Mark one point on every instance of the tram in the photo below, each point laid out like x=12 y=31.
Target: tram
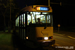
x=34 y=26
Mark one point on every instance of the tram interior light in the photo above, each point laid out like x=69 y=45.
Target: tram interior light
x=45 y=13
x=38 y=12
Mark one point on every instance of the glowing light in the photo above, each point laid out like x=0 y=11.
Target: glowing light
x=26 y=37
x=38 y=8
x=42 y=8
x=45 y=38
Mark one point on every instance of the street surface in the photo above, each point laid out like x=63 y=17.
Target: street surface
x=61 y=41
x=64 y=41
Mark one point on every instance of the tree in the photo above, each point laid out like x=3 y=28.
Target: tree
x=7 y=8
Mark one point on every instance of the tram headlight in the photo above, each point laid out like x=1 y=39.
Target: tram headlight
x=45 y=38
x=26 y=37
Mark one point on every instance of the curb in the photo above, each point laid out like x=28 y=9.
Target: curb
x=71 y=37
x=64 y=35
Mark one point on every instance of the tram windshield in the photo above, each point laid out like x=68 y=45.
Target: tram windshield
x=35 y=18
x=38 y=18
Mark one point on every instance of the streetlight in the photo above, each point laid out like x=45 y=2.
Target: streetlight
x=10 y=10
x=58 y=27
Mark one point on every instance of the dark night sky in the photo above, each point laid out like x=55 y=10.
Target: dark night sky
x=63 y=15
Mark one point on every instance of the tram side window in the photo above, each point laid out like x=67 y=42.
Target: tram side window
x=17 y=22
x=20 y=21
x=48 y=18
x=28 y=19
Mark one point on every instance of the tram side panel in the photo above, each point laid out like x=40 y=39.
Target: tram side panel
x=31 y=33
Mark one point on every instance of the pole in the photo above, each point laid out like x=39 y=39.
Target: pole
x=4 y=24
x=10 y=18
x=58 y=29
x=10 y=10
x=49 y=3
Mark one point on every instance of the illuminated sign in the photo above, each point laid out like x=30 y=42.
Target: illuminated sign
x=42 y=8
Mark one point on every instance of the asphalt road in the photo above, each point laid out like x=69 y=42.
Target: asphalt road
x=64 y=41
x=61 y=41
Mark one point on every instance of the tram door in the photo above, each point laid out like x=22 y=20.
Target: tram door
x=22 y=26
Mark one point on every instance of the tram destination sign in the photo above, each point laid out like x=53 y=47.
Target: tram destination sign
x=42 y=8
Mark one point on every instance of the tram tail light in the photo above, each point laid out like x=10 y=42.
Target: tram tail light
x=51 y=37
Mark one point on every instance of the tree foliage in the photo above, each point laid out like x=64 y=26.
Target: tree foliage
x=7 y=9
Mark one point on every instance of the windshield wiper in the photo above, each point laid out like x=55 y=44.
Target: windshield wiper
x=45 y=26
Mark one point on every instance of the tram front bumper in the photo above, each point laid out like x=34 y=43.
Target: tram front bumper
x=47 y=43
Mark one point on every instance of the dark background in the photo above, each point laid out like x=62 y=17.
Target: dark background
x=62 y=14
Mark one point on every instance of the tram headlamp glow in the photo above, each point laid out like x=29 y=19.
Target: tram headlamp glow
x=26 y=37
x=45 y=38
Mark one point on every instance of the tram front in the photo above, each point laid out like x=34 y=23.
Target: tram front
x=40 y=28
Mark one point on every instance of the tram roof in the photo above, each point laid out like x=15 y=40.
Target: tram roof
x=33 y=8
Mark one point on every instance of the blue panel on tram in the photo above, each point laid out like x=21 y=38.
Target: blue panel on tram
x=42 y=8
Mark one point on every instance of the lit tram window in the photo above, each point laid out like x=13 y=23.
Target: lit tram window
x=38 y=12
x=45 y=13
